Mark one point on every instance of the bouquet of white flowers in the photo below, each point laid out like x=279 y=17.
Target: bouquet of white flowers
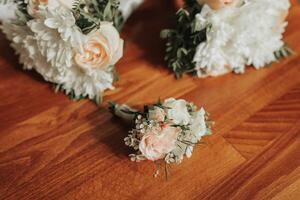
x=71 y=43
x=165 y=131
x=214 y=37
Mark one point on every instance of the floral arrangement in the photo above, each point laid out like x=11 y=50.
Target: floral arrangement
x=165 y=131
x=214 y=37
x=73 y=44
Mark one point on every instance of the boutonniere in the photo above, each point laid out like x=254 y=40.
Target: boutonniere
x=164 y=132
x=214 y=37
x=73 y=44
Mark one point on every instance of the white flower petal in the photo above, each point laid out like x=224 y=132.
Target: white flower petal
x=177 y=111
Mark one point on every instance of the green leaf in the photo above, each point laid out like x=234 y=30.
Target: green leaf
x=164 y=33
x=90 y=13
x=283 y=52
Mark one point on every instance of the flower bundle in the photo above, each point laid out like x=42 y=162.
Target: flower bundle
x=165 y=131
x=71 y=43
x=214 y=37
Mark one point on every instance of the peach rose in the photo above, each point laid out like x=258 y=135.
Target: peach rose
x=157 y=114
x=217 y=4
x=33 y=5
x=156 y=144
x=102 y=49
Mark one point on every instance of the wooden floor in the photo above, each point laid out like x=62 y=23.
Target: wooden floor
x=53 y=148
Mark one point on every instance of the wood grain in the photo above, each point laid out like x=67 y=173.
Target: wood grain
x=53 y=148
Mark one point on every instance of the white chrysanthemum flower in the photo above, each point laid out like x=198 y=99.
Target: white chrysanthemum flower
x=23 y=42
x=33 y=6
x=198 y=124
x=240 y=36
x=8 y=11
x=176 y=111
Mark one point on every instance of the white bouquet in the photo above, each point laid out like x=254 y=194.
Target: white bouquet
x=71 y=43
x=214 y=37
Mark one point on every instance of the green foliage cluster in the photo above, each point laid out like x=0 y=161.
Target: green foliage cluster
x=283 y=52
x=89 y=13
x=183 y=39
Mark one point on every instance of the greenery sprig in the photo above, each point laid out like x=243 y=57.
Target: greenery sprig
x=89 y=13
x=183 y=39
x=283 y=52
